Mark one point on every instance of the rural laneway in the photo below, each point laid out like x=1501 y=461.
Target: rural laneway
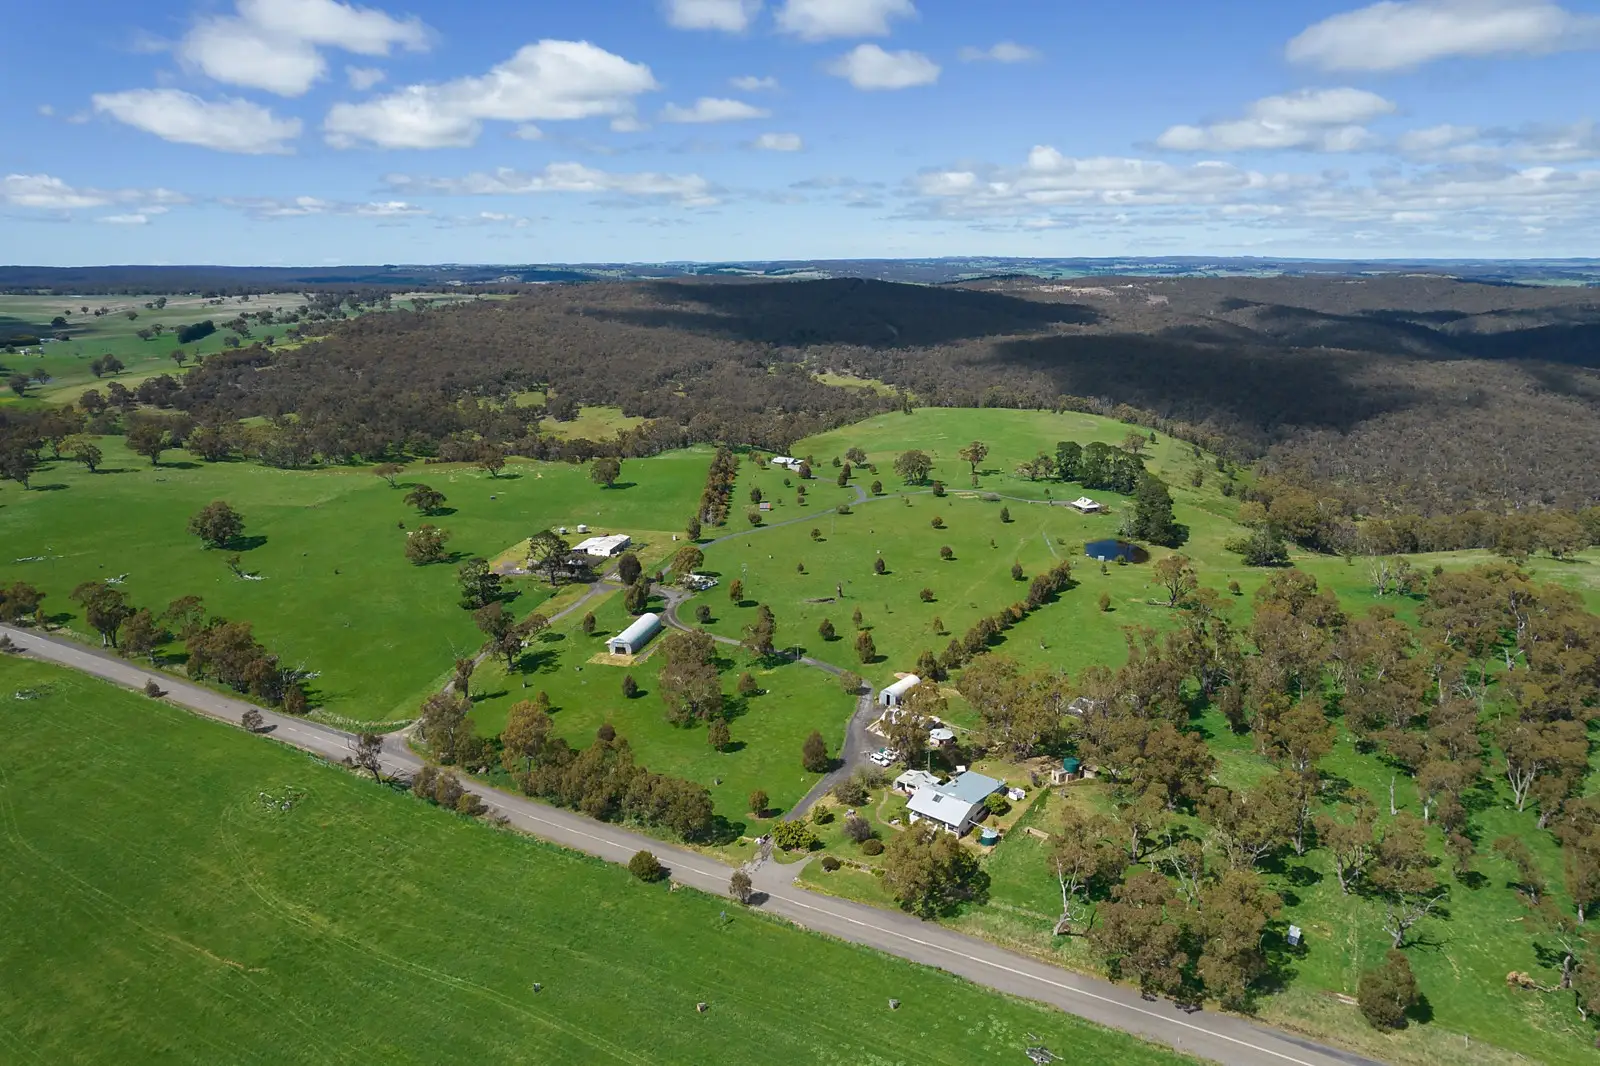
x=857 y=742
x=1222 y=1038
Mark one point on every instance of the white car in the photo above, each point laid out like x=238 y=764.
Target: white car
x=879 y=758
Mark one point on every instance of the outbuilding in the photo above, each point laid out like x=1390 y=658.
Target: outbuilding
x=636 y=636
x=913 y=780
x=604 y=547
x=891 y=696
x=1086 y=506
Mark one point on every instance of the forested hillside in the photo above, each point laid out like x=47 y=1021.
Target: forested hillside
x=1420 y=394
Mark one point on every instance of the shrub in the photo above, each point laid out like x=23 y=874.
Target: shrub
x=1005 y=514
x=605 y=734
x=879 y=566
x=153 y=690
x=822 y=816
x=877 y=488
x=843 y=508
x=758 y=803
x=830 y=864
x=646 y=867
x=872 y=846
x=739 y=886
x=422 y=782
x=850 y=683
x=794 y=836
x=630 y=687
x=1387 y=991
x=718 y=735
x=937 y=523
x=856 y=827
x=825 y=630
x=927 y=595
x=996 y=803
x=1234 y=589
x=938 y=488
x=470 y=805
x=588 y=624
x=947 y=553
x=1105 y=601
x=1016 y=572
x=702 y=614
x=747 y=685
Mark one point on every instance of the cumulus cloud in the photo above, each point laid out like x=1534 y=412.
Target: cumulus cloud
x=778 y=142
x=226 y=125
x=712 y=109
x=45 y=192
x=690 y=190
x=140 y=218
x=276 y=45
x=730 y=16
x=550 y=80
x=867 y=66
x=1528 y=144
x=1401 y=34
x=821 y=20
x=1324 y=120
x=363 y=78
x=749 y=83
x=271 y=208
x=1399 y=207
x=1003 y=52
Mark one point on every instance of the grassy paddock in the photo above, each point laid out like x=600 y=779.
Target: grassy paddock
x=337 y=593
x=157 y=910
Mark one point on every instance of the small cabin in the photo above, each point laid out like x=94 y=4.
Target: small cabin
x=1084 y=505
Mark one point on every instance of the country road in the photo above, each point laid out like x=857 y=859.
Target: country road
x=1219 y=1037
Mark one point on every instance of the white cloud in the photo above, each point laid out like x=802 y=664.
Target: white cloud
x=867 y=66
x=627 y=124
x=47 y=111
x=226 y=125
x=1528 y=144
x=528 y=132
x=270 y=208
x=550 y=80
x=44 y=192
x=1325 y=120
x=690 y=190
x=749 y=83
x=1400 y=34
x=1003 y=52
x=730 y=16
x=274 y=44
x=820 y=20
x=1400 y=208
x=48 y=193
x=779 y=142
x=363 y=78
x=712 y=109
x=138 y=219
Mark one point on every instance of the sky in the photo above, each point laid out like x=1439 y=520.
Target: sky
x=309 y=132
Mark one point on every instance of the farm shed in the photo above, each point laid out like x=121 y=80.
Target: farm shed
x=636 y=636
x=891 y=696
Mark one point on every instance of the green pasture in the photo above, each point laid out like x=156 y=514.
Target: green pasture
x=768 y=729
x=336 y=594
x=113 y=333
x=159 y=908
x=592 y=423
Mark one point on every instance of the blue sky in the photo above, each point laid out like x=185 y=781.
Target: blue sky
x=314 y=131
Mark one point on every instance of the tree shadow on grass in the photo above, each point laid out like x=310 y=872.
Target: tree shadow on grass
x=245 y=544
x=52 y=487
x=178 y=464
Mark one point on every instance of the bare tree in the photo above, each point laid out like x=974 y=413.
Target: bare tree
x=366 y=754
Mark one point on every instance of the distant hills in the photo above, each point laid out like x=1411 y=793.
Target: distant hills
x=938 y=271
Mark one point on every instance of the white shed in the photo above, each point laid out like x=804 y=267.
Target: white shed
x=891 y=696
x=604 y=547
x=1086 y=505
x=636 y=636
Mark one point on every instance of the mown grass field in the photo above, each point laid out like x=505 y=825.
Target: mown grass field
x=768 y=729
x=336 y=594
x=156 y=910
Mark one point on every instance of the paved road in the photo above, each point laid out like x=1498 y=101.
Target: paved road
x=1222 y=1038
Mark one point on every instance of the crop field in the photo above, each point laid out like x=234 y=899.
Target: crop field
x=767 y=728
x=334 y=591
x=159 y=907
